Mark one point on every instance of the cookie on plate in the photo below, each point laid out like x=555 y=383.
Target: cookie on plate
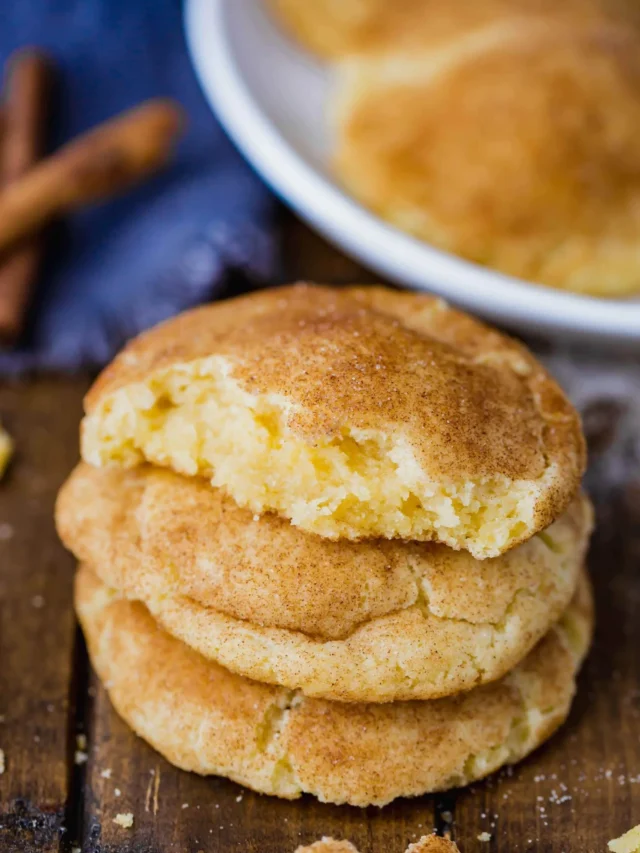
x=514 y=147
x=334 y=29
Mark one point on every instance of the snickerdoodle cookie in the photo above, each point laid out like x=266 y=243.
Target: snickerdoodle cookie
x=203 y=718
x=355 y=413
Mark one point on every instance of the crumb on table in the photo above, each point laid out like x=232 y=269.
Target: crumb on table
x=627 y=843
x=426 y=844
x=125 y=820
x=6 y=449
x=328 y=845
x=433 y=844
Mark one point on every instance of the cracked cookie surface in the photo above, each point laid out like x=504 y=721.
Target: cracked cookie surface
x=369 y=621
x=204 y=718
x=355 y=413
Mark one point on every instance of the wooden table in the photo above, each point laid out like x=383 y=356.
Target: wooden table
x=573 y=795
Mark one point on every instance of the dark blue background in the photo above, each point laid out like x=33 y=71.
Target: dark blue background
x=120 y=267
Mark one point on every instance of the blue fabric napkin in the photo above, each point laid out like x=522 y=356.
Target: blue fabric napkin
x=171 y=243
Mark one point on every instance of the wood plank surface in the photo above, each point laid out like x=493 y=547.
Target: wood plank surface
x=37 y=628
x=573 y=795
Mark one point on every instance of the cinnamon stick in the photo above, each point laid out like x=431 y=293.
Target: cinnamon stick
x=26 y=90
x=100 y=163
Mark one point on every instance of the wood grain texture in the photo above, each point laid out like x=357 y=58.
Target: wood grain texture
x=37 y=628
x=573 y=795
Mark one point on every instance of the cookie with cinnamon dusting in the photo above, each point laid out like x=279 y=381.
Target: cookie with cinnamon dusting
x=354 y=413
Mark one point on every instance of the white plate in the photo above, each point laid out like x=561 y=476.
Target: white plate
x=270 y=97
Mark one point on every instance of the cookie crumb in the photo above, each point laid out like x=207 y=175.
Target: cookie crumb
x=328 y=845
x=433 y=844
x=484 y=836
x=81 y=757
x=106 y=773
x=81 y=741
x=426 y=844
x=125 y=820
x=627 y=843
x=6 y=449
x=117 y=792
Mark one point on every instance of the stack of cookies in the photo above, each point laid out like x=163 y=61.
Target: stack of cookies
x=332 y=541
